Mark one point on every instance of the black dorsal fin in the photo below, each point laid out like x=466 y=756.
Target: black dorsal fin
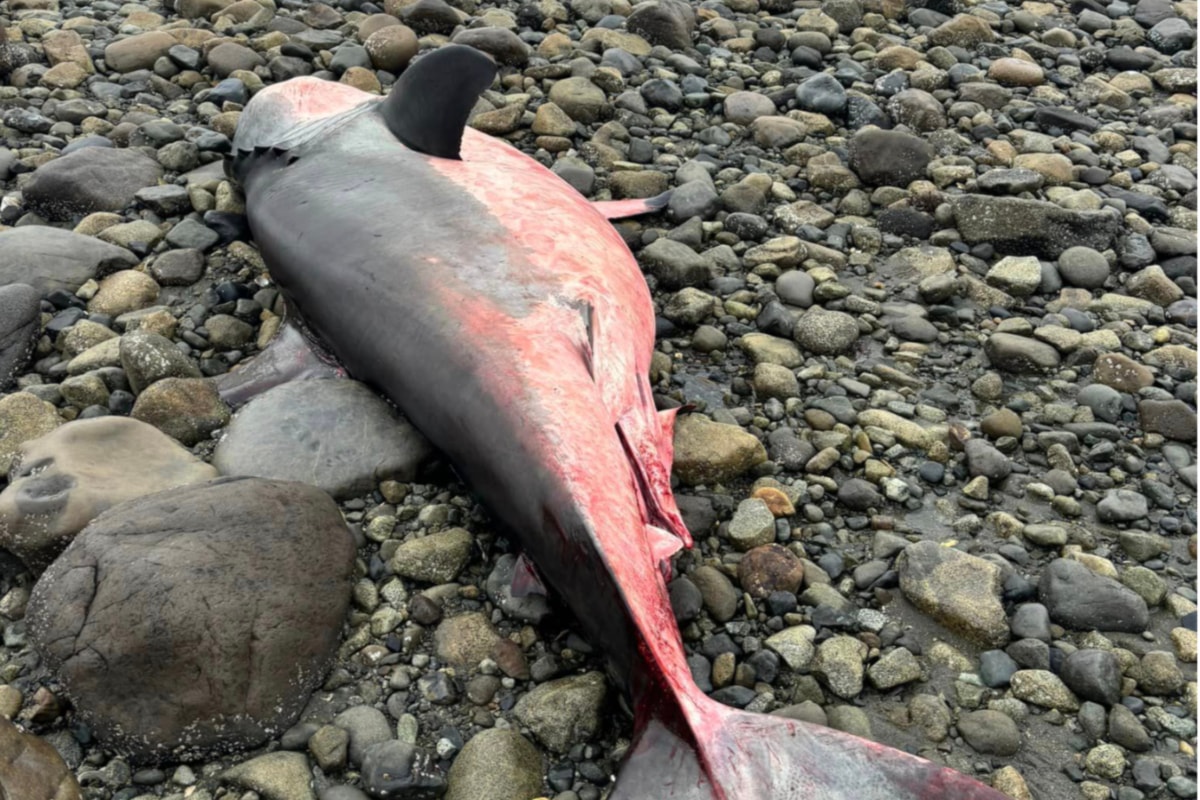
x=428 y=107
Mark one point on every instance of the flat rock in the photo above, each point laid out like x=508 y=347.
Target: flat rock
x=239 y=588
x=139 y=51
x=50 y=258
x=1079 y=599
x=958 y=590
x=334 y=434
x=31 y=769
x=20 y=317
x=1020 y=354
x=69 y=476
x=93 y=179
x=1031 y=227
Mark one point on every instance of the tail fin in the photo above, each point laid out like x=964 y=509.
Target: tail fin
x=743 y=756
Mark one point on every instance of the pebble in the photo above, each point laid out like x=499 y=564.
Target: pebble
x=961 y=178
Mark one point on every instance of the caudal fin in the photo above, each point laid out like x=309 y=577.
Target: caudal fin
x=743 y=756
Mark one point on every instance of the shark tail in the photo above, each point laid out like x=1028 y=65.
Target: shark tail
x=721 y=753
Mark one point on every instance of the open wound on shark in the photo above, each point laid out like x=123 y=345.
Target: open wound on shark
x=504 y=315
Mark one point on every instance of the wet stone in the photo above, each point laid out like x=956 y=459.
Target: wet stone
x=334 y=434
x=130 y=571
x=1079 y=599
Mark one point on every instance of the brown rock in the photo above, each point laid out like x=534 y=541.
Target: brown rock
x=1122 y=373
x=1174 y=419
x=138 y=52
x=391 y=47
x=770 y=568
x=776 y=500
x=30 y=769
x=67 y=47
x=1016 y=72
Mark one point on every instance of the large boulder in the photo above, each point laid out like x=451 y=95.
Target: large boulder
x=92 y=179
x=65 y=479
x=50 y=258
x=334 y=434
x=197 y=620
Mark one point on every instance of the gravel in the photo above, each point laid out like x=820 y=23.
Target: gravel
x=927 y=286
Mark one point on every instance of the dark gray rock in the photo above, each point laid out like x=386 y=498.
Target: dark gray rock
x=996 y=667
x=20 y=318
x=500 y=43
x=1031 y=227
x=1172 y=35
x=1020 y=354
x=666 y=22
x=822 y=93
x=530 y=607
x=1031 y=621
x=889 y=158
x=675 y=264
x=1093 y=675
x=1104 y=401
x=50 y=258
x=1079 y=599
x=984 y=459
x=399 y=769
x=334 y=434
x=95 y=179
x=238 y=588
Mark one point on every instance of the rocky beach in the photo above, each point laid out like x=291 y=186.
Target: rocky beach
x=926 y=295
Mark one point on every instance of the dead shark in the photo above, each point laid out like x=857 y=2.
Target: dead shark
x=506 y=317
